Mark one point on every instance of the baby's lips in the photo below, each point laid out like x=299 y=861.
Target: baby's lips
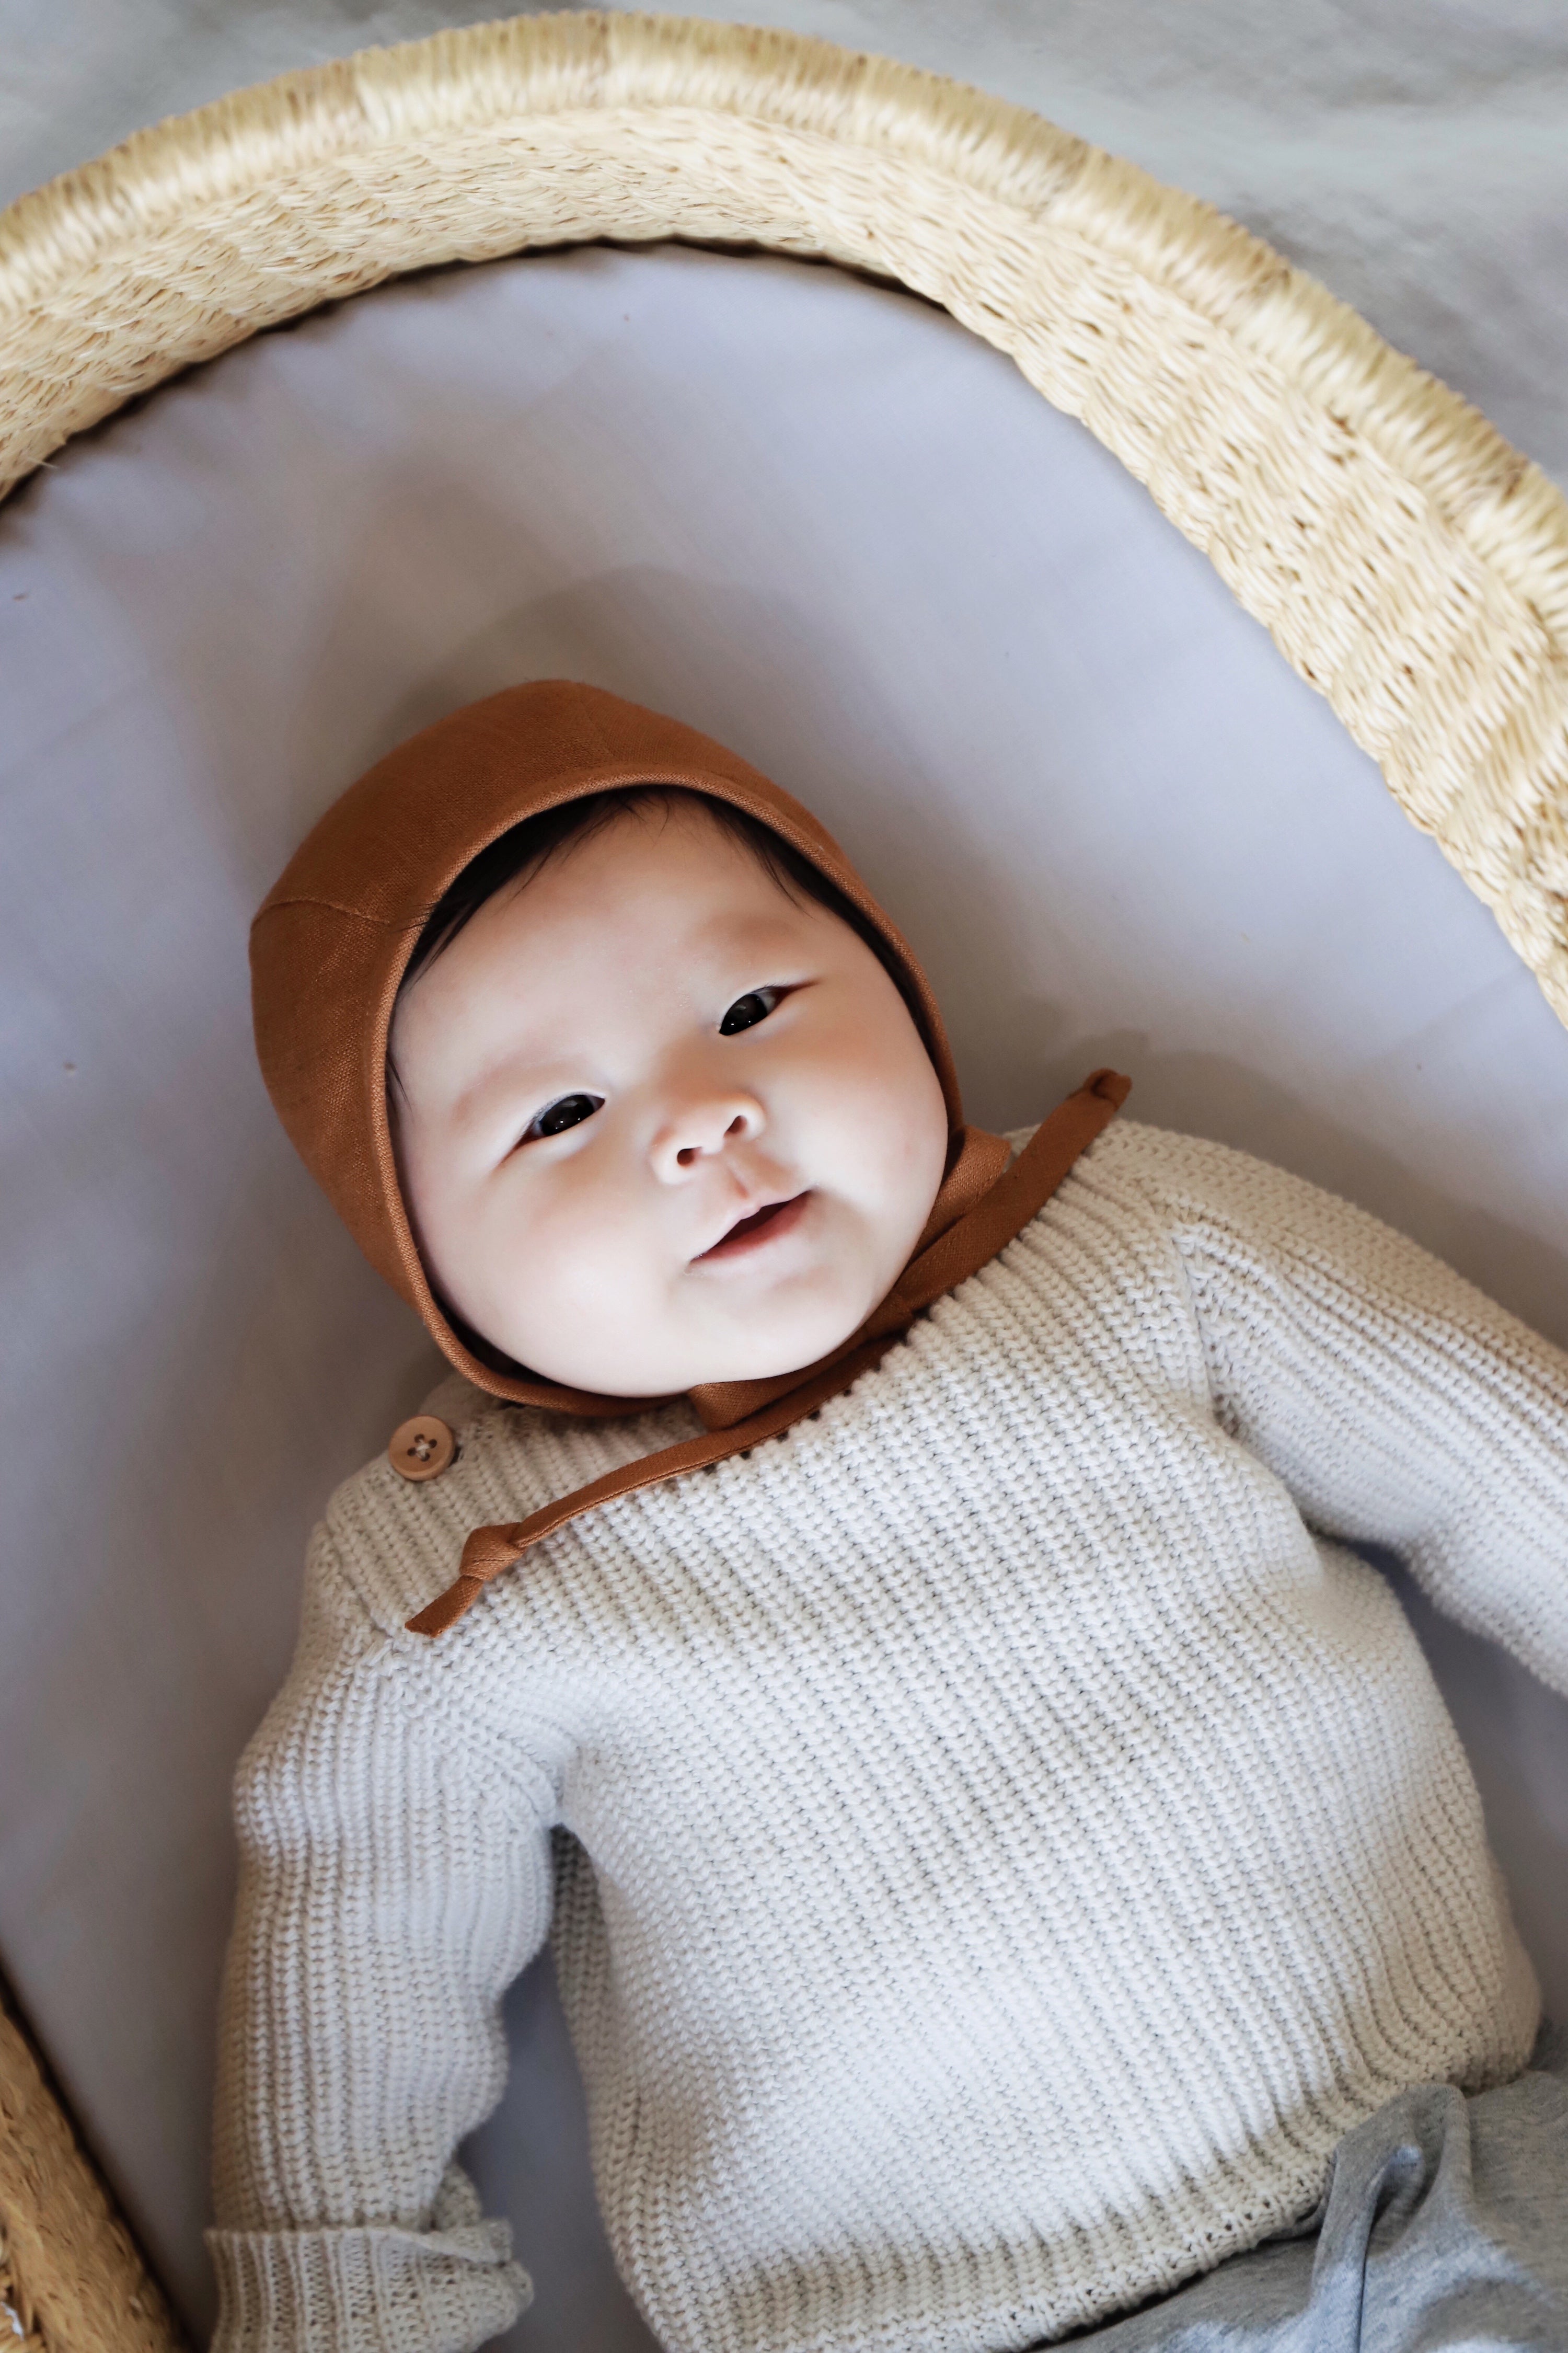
x=757 y=1222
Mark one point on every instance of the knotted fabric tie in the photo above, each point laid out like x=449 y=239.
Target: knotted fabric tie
x=984 y=1202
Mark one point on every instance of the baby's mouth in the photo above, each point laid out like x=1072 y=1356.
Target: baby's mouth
x=764 y=1225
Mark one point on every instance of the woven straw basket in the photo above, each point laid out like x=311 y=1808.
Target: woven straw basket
x=1407 y=561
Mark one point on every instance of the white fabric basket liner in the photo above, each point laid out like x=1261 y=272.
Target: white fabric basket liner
x=818 y=519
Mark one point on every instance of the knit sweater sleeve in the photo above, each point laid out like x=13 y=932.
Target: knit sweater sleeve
x=1397 y=1403
x=392 y=1881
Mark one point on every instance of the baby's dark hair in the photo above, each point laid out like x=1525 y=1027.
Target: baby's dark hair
x=520 y=852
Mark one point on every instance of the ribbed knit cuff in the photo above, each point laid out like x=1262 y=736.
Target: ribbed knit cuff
x=366 y=2291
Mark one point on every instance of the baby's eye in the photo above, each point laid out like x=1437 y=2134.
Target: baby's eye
x=566 y=1111
x=747 y=1010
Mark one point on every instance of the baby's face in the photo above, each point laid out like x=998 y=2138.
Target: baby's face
x=657 y=1124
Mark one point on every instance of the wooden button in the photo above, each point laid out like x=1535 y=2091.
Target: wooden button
x=421 y=1449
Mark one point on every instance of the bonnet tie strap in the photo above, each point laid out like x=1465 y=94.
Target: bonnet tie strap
x=742 y=1414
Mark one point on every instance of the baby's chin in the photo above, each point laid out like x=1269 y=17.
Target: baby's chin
x=781 y=1297
x=740 y=1345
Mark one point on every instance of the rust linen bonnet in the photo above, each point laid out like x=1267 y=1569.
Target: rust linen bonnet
x=329 y=948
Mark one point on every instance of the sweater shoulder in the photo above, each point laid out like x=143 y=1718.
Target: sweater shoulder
x=1181 y=1182
x=1223 y=1212
x=1170 y=1166
x=384 y=1547
x=387 y=1545
x=390 y=1545
x=1258 y=1230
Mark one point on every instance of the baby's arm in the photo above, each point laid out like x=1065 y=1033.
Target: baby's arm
x=1397 y=1403
x=393 y=1880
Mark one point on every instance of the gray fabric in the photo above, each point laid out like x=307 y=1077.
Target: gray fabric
x=1443 y=2225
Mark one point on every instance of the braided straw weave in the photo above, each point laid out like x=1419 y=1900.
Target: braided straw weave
x=71 y=2278
x=1408 y=562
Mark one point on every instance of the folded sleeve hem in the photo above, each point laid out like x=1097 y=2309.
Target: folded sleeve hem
x=368 y=2290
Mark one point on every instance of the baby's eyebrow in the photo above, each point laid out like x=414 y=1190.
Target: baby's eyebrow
x=739 y=949
x=505 y=1088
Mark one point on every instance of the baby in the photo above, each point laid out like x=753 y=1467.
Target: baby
x=878 y=1598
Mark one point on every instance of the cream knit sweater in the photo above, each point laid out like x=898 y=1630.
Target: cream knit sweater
x=1006 y=1848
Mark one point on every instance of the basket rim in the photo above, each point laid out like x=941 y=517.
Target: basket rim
x=200 y=230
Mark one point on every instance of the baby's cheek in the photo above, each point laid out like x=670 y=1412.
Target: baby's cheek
x=882 y=1126
x=592 y=1250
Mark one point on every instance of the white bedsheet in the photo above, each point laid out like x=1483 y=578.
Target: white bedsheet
x=822 y=522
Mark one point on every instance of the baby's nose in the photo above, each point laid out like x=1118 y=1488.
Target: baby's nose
x=702 y=1129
